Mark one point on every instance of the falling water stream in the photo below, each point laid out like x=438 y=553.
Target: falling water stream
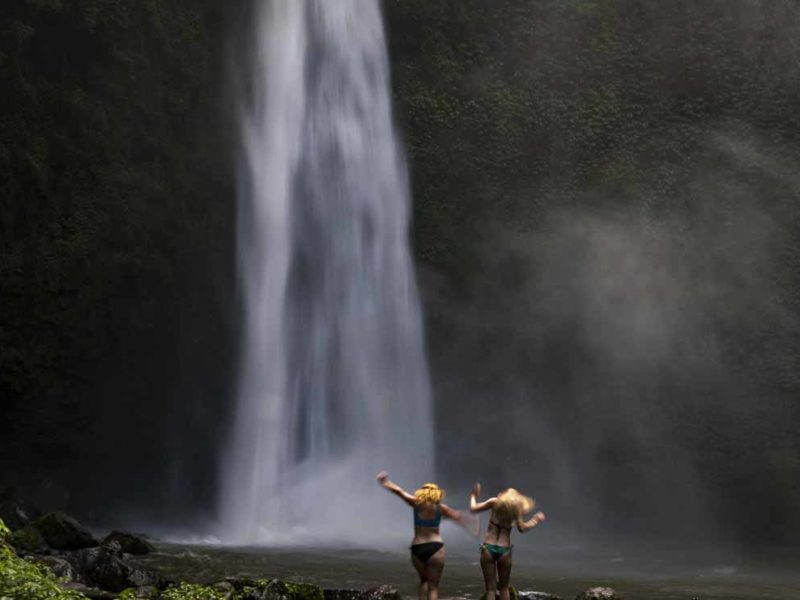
x=333 y=383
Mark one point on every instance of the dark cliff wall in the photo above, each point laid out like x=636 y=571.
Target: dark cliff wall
x=116 y=235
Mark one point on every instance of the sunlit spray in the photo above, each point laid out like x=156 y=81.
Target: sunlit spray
x=334 y=384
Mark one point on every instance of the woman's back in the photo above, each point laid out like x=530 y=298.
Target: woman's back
x=498 y=530
x=427 y=517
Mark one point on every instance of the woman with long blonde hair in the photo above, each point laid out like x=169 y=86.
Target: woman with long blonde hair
x=427 y=547
x=508 y=508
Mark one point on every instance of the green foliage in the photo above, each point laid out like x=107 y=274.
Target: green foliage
x=24 y=580
x=302 y=591
x=187 y=591
x=28 y=538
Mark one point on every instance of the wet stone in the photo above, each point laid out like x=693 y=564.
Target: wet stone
x=532 y=595
x=131 y=544
x=599 y=593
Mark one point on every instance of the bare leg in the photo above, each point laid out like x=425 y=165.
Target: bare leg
x=489 y=574
x=423 y=578
x=433 y=573
x=504 y=575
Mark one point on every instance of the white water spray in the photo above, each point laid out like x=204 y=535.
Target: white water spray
x=334 y=383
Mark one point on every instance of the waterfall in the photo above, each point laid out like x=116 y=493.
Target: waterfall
x=333 y=382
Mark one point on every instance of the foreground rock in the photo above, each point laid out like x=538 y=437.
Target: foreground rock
x=131 y=544
x=103 y=567
x=599 y=593
x=61 y=567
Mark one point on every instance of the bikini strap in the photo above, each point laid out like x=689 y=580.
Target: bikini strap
x=434 y=522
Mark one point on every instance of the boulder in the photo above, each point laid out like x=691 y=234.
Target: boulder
x=62 y=568
x=599 y=593
x=104 y=567
x=62 y=532
x=131 y=544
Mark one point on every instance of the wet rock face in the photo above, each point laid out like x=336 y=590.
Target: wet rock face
x=131 y=544
x=599 y=593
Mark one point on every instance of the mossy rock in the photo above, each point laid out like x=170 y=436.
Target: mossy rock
x=62 y=532
x=28 y=539
x=512 y=592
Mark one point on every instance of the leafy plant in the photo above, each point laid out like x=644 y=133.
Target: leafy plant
x=25 y=580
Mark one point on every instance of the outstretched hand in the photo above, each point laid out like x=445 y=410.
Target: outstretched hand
x=382 y=477
x=539 y=516
x=476 y=490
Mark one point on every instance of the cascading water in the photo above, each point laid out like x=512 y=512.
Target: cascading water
x=334 y=384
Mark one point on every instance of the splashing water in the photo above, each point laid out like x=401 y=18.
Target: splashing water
x=334 y=384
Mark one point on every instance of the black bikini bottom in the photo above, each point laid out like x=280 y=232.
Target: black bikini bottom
x=424 y=551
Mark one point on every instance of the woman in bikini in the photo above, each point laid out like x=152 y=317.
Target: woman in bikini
x=508 y=509
x=427 y=547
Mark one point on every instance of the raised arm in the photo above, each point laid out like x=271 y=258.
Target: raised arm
x=474 y=505
x=383 y=480
x=523 y=525
x=451 y=513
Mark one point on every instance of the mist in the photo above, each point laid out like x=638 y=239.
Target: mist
x=631 y=369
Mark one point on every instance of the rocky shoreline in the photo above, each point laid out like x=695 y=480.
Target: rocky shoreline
x=69 y=556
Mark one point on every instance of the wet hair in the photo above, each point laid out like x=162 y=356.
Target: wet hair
x=511 y=505
x=429 y=493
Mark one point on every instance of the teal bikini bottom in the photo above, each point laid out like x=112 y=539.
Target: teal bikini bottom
x=496 y=551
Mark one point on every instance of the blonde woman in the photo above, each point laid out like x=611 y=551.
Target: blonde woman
x=427 y=547
x=508 y=508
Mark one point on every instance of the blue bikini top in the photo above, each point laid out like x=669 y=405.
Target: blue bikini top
x=434 y=522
